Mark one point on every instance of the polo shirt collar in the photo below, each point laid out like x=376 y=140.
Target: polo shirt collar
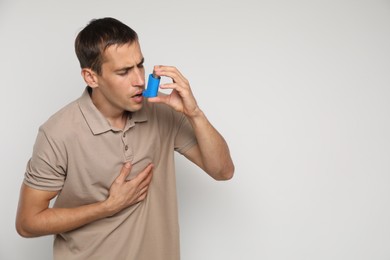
x=97 y=122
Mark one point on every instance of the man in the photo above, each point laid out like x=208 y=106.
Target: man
x=108 y=157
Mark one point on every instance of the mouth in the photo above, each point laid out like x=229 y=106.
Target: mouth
x=138 y=94
x=138 y=97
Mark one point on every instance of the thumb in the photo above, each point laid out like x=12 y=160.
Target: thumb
x=125 y=171
x=155 y=99
x=161 y=98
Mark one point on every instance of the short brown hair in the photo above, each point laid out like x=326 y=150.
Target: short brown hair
x=97 y=36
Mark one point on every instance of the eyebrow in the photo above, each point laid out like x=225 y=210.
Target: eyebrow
x=129 y=68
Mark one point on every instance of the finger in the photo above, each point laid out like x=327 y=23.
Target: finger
x=159 y=99
x=142 y=194
x=142 y=197
x=125 y=171
x=143 y=191
x=142 y=175
x=145 y=182
x=171 y=72
x=180 y=88
x=169 y=86
x=167 y=69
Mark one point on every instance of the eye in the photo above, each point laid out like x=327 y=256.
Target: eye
x=123 y=73
x=140 y=66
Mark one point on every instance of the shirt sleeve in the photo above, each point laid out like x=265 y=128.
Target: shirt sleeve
x=185 y=136
x=47 y=167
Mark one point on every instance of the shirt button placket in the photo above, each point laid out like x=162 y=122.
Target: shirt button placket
x=127 y=149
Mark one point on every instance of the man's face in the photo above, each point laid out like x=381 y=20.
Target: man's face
x=122 y=80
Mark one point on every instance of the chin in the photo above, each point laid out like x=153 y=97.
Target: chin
x=134 y=108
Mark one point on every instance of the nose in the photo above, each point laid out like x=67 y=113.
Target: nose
x=139 y=78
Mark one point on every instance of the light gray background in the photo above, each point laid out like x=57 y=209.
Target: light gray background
x=299 y=89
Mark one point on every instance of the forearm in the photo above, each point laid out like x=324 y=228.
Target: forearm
x=35 y=218
x=59 y=220
x=214 y=151
x=211 y=153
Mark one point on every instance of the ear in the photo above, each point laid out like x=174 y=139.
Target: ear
x=90 y=77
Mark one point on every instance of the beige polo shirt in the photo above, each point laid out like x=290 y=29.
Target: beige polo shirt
x=79 y=154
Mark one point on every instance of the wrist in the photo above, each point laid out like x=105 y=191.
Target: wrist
x=198 y=119
x=195 y=113
x=107 y=208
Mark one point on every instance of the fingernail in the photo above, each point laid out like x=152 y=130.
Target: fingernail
x=127 y=165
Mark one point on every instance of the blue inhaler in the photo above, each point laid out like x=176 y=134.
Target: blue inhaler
x=152 y=89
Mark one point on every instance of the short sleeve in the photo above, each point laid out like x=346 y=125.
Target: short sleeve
x=185 y=136
x=47 y=167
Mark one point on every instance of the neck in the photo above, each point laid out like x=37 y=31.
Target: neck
x=117 y=118
x=118 y=122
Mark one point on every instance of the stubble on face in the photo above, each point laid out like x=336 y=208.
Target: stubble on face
x=122 y=80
